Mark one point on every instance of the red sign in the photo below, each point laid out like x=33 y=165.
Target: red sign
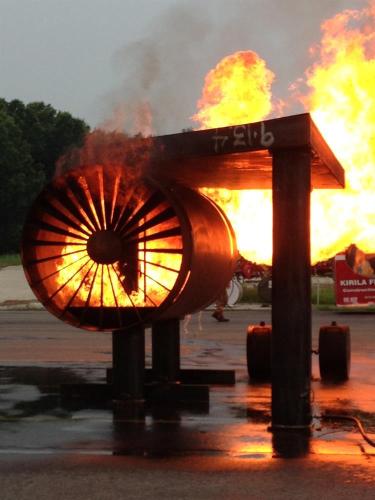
x=352 y=288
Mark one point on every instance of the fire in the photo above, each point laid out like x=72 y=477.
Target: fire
x=238 y=91
x=100 y=247
x=342 y=104
x=341 y=99
x=92 y=284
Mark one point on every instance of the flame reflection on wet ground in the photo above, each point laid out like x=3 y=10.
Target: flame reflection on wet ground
x=234 y=424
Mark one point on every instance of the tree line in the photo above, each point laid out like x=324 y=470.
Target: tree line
x=32 y=138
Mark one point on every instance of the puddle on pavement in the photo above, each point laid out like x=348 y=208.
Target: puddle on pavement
x=34 y=417
x=30 y=391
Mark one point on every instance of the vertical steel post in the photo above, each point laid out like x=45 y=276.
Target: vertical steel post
x=128 y=355
x=291 y=289
x=166 y=350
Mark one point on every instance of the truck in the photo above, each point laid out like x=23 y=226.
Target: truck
x=354 y=277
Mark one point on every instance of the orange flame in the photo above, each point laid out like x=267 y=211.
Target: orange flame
x=342 y=103
x=103 y=186
x=238 y=91
x=95 y=285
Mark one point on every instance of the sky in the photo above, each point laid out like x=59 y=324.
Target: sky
x=101 y=60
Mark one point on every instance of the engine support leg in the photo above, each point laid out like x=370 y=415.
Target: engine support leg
x=128 y=356
x=166 y=350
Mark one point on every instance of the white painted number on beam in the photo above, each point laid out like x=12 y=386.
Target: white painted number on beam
x=244 y=136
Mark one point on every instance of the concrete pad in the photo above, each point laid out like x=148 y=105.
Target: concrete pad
x=222 y=451
x=15 y=291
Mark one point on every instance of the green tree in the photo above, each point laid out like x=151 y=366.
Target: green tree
x=32 y=138
x=20 y=180
x=49 y=133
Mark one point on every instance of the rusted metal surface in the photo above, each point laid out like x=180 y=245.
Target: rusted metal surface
x=240 y=156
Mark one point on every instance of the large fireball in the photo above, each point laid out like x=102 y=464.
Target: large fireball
x=238 y=90
x=342 y=104
x=341 y=100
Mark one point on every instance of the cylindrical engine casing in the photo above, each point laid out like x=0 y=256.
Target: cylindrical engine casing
x=208 y=253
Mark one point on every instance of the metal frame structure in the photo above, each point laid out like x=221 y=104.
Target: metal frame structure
x=289 y=156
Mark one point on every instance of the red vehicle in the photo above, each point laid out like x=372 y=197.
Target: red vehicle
x=247 y=269
x=354 y=273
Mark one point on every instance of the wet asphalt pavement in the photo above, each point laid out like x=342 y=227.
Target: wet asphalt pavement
x=53 y=448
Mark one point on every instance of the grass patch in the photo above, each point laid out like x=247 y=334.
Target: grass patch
x=13 y=259
x=324 y=295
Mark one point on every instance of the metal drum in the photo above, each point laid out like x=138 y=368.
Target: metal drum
x=258 y=352
x=334 y=352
